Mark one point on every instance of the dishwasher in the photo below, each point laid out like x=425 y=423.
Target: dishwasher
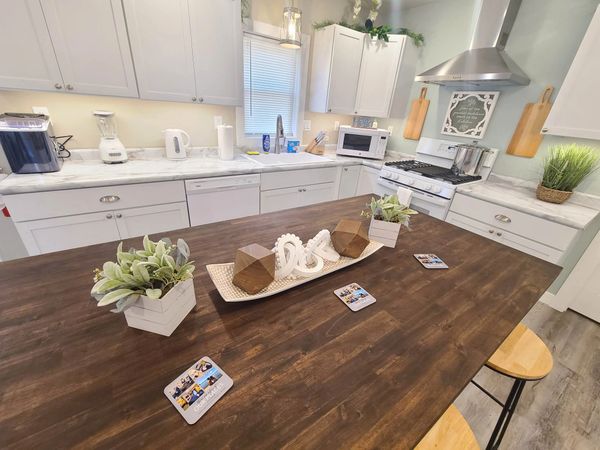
x=222 y=198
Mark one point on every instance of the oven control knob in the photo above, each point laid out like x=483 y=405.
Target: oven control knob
x=436 y=189
x=395 y=176
x=409 y=181
x=428 y=187
x=386 y=174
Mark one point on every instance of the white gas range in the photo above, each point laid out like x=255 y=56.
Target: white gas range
x=430 y=177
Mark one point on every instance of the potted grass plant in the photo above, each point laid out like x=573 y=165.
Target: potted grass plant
x=153 y=287
x=387 y=216
x=564 y=168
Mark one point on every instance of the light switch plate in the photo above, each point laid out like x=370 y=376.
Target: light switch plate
x=218 y=121
x=307 y=125
x=391 y=129
x=336 y=125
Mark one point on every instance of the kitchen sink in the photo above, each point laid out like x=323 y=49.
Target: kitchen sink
x=276 y=159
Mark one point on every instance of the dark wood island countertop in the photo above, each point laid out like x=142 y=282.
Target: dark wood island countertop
x=308 y=372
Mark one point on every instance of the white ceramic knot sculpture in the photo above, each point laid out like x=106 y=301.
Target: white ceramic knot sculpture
x=295 y=260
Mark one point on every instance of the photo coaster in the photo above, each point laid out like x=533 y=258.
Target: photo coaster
x=430 y=261
x=354 y=296
x=197 y=389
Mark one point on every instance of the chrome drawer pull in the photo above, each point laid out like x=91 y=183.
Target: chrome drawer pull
x=110 y=199
x=503 y=218
x=109 y=216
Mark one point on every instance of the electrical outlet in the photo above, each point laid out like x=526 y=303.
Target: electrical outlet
x=218 y=120
x=336 y=125
x=391 y=129
x=40 y=110
x=307 y=125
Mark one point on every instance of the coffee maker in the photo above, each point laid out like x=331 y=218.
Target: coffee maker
x=28 y=143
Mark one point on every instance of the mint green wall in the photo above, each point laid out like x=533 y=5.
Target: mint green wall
x=544 y=40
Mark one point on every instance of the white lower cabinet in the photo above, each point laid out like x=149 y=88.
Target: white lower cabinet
x=530 y=234
x=151 y=219
x=367 y=181
x=349 y=181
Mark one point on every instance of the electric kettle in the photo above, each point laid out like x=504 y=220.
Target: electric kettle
x=175 y=147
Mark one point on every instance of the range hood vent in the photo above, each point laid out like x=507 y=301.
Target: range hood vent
x=485 y=63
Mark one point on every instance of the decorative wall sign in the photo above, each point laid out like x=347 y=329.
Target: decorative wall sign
x=469 y=113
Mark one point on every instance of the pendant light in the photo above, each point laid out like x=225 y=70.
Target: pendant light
x=291 y=29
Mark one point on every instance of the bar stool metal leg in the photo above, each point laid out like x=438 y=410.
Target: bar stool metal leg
x=506 y=415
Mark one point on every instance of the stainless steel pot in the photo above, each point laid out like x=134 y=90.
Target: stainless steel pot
x=469 y=159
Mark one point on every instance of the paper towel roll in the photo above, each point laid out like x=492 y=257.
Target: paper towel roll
x=225 y=137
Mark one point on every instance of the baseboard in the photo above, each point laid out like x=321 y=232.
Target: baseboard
x=551 y=300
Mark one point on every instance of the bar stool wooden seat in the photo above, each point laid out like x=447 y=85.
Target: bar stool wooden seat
x=524 y=357
x=450 y=432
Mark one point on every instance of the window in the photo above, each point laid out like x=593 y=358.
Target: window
x=272 y=80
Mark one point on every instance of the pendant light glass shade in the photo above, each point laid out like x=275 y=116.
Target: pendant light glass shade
x=291 y=30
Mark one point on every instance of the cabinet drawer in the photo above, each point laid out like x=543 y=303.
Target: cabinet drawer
x=291 y=178
x=41 y=205
x=534 y=228
x=504 y=237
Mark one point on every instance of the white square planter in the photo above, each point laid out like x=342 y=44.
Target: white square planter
x=164 y=315
x=384 y=232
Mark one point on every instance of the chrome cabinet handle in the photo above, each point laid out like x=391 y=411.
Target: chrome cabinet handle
x=119 y=215
x=109 y=216
x=502 y=218
x=110 y=199
x=491 y=231
x=498 y=234
x=201 y=99
x=58 y=86
x=194 y=99
x=69 y=87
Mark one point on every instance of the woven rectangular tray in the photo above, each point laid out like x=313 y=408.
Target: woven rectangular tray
x=222 y=277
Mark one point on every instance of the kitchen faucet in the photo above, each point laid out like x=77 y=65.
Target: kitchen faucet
x=279 y=135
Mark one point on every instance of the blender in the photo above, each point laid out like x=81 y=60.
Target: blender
x=111 y=149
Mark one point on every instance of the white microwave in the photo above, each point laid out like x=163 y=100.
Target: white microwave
x=362 y=142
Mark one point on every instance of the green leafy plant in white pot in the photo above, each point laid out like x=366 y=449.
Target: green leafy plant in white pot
x=387 y=216
x=564 y=168
x=153 y=287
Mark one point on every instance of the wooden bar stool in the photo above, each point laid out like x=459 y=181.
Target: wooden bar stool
x=450 y=432
x=524 y=357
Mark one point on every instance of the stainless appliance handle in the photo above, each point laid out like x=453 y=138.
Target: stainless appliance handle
x=502 y=218
x=110 y=199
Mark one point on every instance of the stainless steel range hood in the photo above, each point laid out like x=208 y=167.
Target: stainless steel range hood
x=485 y=63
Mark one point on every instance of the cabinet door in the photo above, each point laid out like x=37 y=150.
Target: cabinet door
x=473 y=226
x=317 y=193
x=91 y=45
x=345 y=69
x=135 y=222
x=349 y=181
x=378 y=73
x=161 y=43
x=27 y=55
x=367 y=181
x=575 y=111
x=217 y=47
x=62 y=233
x=280 y=199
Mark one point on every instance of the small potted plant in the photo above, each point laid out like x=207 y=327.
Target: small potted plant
x=387 y=216
x=153 y=287
x=564 y=168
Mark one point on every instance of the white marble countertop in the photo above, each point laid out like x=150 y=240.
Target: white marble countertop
x=85 y=169
x=517 y=194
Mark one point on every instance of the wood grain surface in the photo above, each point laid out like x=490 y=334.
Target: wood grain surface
x=308 y=372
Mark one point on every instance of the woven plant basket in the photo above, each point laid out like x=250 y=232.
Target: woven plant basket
x=552 y=195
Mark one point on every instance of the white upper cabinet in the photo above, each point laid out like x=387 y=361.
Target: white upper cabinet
x=354 y=74
x=91 y=45
x=379 y=71
x=27 y=56
x=217 y=47
x=337 y=54
x=161 y=43
x=187 y=50
x=575 y=111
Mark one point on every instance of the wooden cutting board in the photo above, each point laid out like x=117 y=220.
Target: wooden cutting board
x=528 y=134
x=416 y=117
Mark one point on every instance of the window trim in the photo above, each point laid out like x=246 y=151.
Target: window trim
x=269 y=31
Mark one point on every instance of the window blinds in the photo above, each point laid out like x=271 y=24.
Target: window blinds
x=271 y=80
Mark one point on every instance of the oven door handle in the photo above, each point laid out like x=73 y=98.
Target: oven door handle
x=430 y=198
